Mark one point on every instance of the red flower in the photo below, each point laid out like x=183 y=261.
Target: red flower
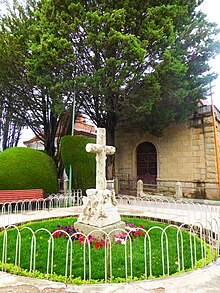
x=81 y=239
x=98 y=245
x=104 y=243
x=137 y=233
x=56 y=234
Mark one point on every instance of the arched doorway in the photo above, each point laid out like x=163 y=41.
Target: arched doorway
x=147 y=163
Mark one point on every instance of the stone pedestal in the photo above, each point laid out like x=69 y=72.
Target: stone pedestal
x=99 y=213
x=99 y=232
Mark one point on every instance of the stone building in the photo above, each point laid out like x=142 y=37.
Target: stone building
x=185 y=153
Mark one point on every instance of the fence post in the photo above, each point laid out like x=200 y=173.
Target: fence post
x=116 y=185
x=110 y=184
x=66 y=186
x=179 y=190
x=140 y=188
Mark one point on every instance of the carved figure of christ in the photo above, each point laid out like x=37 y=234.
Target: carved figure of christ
x=101 y=150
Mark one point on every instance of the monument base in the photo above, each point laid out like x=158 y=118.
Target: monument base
x=99 y=208
x=99 y=213
x=100 y=232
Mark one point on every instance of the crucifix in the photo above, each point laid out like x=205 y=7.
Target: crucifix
x=100 y=205
x=101 y=150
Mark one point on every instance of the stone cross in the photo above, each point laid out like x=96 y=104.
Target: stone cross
x=101 y=150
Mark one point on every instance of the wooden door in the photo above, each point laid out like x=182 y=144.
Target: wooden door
x=147 y=163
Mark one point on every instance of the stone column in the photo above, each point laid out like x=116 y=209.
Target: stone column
x=140 y=188
x=179 y=191
x=66 y=186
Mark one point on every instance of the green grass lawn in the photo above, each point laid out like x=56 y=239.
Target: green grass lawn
x=118 y=251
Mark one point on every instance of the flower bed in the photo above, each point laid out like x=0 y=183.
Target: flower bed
x=52 y=249
x=121 y=237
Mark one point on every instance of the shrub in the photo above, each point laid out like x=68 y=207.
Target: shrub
x=73 y=151
x=24 y=168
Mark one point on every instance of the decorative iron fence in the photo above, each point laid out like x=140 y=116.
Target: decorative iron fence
x=156 y=206
x=147 y=265
x=198 y=219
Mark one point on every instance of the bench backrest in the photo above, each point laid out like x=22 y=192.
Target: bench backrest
x=16 y=195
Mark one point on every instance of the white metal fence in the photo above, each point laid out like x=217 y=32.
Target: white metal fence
x=198 y=219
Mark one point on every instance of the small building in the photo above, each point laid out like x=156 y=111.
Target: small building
x=81 y=127
x=185 y=153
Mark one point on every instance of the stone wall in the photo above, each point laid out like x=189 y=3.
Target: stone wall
x=185 y=153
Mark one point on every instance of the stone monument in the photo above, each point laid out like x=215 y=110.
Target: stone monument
x=100 y=206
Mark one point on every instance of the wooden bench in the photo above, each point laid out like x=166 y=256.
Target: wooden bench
x=9 y=196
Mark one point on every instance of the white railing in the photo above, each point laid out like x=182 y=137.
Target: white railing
x=158 y=207
x=199 y=219
x=183 y=210
x=52 y=201
x=147 y=262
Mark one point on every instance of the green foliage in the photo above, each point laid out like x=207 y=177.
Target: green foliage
x=144 y=61
x=37 y=89
x=73 y=152
x=24 y=168
x=97 y=256
x=180 y=43
x=148 y=61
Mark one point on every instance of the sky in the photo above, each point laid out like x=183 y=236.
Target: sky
x=212 y=9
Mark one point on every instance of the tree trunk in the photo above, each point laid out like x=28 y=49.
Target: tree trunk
x=63 y=128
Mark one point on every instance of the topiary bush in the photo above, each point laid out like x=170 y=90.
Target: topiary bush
x=73 y=151
x=25 y=168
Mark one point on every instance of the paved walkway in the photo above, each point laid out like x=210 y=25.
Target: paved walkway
x=205 y=280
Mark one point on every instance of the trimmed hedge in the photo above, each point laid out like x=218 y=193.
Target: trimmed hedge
x=73 y=151
x=25 y=168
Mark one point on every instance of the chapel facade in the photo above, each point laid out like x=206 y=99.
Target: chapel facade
x=185 y=153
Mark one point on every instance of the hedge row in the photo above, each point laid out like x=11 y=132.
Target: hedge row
x=84 y=167
x=25 y=168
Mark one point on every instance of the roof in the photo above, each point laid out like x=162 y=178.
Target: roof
x=81 y=127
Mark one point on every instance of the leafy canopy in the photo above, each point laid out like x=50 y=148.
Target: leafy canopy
x=144 y=61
